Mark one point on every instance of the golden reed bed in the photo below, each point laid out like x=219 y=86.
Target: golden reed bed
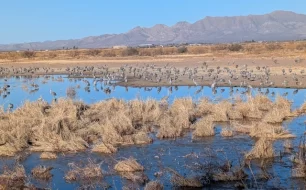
x=68 y=125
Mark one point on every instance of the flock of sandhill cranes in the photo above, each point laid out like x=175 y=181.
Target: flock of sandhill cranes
x=158 y=76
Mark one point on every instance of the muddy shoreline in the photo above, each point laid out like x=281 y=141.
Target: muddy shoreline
x=283 y=72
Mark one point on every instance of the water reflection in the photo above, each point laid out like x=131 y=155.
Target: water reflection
x=16 y=90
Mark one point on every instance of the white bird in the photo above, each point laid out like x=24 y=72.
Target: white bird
x=195 y=82
x=213 y=85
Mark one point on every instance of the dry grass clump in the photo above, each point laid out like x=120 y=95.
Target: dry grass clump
x=128 y=165
x=263 y=148
x=302 y=109
x=42 y=173
x=138 y=177
x=142 y=138
x=231 y=175
x=48 y=155
x=154 y=185
x=220 y=111
x=227 y=132
x=242 y=127
x=280 y=111
x=13 y=178
x=144 y=111
x=104 y=148
x=56 y=131
x=262 y=102
x=283 y=104
x=101 y=111
x=204 y=128
x=109 y=120
x=275 y=116
x=16 y=127
x=168 y=129
x=180 y=181
x=234 y=114
x=88 y=172
x=182 y=111
x=262 y=129
x=204 y=107
x=249 y=109
x=299 y=171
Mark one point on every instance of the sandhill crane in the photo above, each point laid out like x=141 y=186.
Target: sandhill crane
x=10 y=106
x=213 y=85
x=52 y=93
x=193 y=80
x=230 y=82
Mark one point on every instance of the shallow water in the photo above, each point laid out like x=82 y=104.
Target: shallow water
x=185 y=155
x=21 y=90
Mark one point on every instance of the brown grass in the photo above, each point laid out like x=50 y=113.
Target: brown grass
x=48 y=155
x=70 y=126
x=234 y=175
x=88 y=172
x=182 y=110
x=303 y=108
x=13 y=178
x=138 y=177
x=128 y=165
x=227 y=132
x=144 y=111
x=249 y=109
x=244 y=49
x=180 y=181
x=142 y=138
x=263 y=148
x=220 y=111
x=204 y=107
x=266 y=130
x=203 y=128
x=42 y=173
x=154 y=185
x=242 y=127
x=168 y=129
x=280 y=111
x=104 y=148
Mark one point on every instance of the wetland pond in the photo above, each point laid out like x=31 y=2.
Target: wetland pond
x=190 y=157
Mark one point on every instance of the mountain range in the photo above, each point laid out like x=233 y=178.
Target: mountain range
x=277 y=25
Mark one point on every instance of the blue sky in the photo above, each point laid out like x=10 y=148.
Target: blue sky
x=40 y=20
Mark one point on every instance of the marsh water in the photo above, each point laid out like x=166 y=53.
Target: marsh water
x=185 y=155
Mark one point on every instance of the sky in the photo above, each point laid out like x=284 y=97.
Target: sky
x=40 y=20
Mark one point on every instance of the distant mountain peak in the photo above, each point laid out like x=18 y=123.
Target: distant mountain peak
x=277 y=25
